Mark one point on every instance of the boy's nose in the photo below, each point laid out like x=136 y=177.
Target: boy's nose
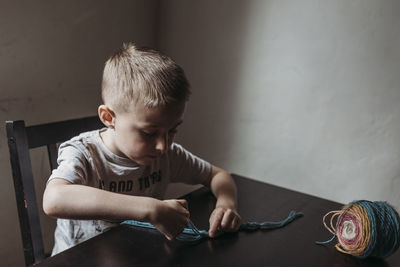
x=161 y=144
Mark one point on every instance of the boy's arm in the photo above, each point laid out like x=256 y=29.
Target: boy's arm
x=225 y=216
x=63 y=199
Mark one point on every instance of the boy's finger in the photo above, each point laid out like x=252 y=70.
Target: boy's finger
x=227 y=219
x=235 y=224
x=165 y=233
x=183 y=202
x=238 y=223
x=215 y=221
x=182 y=207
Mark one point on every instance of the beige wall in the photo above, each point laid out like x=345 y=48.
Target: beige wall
x=51 y=59
x=302 y=94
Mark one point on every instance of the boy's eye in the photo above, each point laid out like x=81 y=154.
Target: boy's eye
x=173 y=131
x=149 y=134
x=154 y=133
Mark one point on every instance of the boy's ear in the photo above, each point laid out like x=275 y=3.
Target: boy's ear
x=107 y=116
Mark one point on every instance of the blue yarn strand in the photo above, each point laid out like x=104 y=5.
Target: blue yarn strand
x=194 y=235
x=327 y=241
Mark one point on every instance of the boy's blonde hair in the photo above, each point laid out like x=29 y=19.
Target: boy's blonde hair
x=137 y=74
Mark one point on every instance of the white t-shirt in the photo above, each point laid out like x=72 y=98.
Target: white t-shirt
x=87 y=161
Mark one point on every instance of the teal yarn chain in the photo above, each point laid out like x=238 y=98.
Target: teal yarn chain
x=365 y=229
x=193 y=235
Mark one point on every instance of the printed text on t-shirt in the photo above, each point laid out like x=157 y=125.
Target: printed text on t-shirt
x=129 y=185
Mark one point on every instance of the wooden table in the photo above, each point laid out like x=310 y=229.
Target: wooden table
x=292 y=245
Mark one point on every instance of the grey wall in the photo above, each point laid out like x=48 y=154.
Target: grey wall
x=51 y=59
x=302 y=94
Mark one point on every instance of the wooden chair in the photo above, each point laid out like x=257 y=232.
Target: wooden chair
x=21 y=138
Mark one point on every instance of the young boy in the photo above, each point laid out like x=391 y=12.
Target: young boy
x=121 y=172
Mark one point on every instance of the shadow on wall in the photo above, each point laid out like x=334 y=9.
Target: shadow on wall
x=52 y=55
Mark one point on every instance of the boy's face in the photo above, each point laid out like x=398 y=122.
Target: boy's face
x=144 y=134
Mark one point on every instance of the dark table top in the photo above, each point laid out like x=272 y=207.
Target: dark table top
x=292 y=245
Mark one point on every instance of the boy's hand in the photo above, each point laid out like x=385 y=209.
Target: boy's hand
x=224 y=219
x=170 y=217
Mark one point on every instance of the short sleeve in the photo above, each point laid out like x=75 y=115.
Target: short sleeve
x=72 y=164
x=186 y=167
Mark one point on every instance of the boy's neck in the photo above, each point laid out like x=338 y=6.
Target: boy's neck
x=107 y=139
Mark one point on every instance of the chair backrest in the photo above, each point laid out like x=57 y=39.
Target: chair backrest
x=21 y=138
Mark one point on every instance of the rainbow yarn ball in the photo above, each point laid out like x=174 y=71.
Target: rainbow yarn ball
x=365 y=229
